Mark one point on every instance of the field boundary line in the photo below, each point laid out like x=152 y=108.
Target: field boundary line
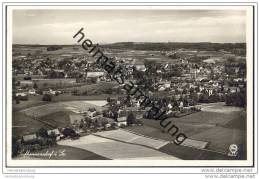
x=208 y=150
x=145 y=135
x=129 y=143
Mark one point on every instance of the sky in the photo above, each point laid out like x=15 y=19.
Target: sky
x=109 y=26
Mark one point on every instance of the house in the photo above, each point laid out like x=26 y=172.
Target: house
x=167 y=84
x=177 y=97
x=234 y=89
x=181 y=104
x=140 y=67
x=56 y=132
x=26 y=83
x=101 y=122
x=209 y=91
x=53 y=92
x=32 y=91
x=122 y=121
x=215 y=84
x=161 y=88
x=238 y=79
x=32 y=138
x=22 y=96
x=96 y=74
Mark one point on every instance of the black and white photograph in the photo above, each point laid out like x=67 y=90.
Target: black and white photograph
x=129 y=86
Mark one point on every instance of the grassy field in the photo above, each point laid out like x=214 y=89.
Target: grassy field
x=220 y=129
x=60 y=119
x=56 y=114
x=37 y=100
x=138 y=55
x=99 y=87
x=24 y=125
x=46 y=109
x=117 y=150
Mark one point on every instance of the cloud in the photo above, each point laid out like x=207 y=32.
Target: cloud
x=58 y=26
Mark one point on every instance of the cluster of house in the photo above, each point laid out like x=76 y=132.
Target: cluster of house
x=95 y=120
x=203 y=76
x=85 y=121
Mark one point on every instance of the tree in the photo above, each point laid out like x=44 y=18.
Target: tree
x=197 y=89
x=15 y=147
x=184 y=91
x=131 y=118
x=35 y=86
x=174 y=101
x=192 y=90
x=177 y=71
x=42 y=132
x=17 y=100
x=45 y=85
x=69 y=132
x=229 y=99
x=194 y=97
x=204 y=98
x=214 y=98
x=47 y=97
x=108 y=91
x=185 y=101
x=151 y=66
x=236 y=99
x=108 y=99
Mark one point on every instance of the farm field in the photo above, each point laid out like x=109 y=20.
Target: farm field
x=217 y=124
x=218 y=128
x=74 y=106
x=138 y=56
x=54 y=113
x=126 y=136
x=24 y=125
x=114 y=149
x=37 y=100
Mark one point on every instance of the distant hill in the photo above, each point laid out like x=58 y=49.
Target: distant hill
x=208 y=46
x=176 y=45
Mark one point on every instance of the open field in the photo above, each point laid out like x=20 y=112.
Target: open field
x=92 y=87
x=138 y=56
x=74 y=106
x=60 y=119
x=114 y=149
x=37 y=100
x=214 y=124
x=53 y=113
x=219 y=107
x=221 y=138
x=66 y=51
x=24 y=125
x=218 y=128
x=129 y=137
x=136 y=52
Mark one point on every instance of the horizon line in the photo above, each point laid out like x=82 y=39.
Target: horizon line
x=107 y=43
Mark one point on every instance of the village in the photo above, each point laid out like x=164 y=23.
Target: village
x=55 y=86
